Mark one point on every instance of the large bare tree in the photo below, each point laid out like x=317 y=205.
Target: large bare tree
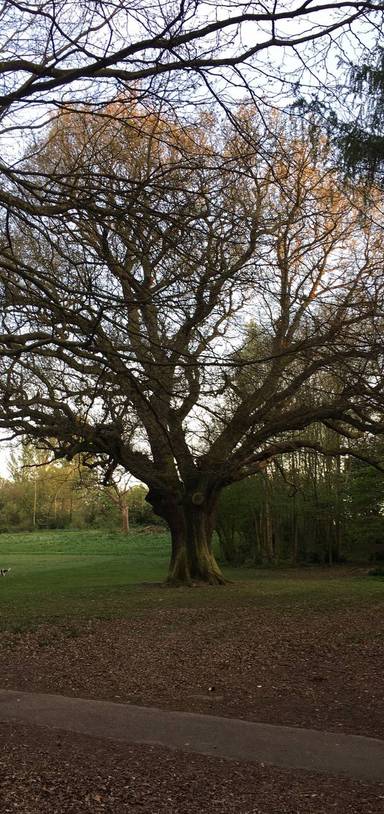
x=208 y=298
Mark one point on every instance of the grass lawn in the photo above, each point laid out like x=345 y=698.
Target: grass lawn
x=70 y=574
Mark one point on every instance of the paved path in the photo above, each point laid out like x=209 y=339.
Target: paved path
x=284 y=746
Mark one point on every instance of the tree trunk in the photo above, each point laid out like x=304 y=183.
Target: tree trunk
x=191 y=523
x=124 y=519
x=295 y=532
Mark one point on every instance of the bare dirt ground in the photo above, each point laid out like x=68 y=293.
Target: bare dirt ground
x=44 y=772
x=320 y=669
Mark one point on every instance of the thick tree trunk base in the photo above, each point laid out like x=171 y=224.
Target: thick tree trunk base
x=203 y=570
x=191 y=524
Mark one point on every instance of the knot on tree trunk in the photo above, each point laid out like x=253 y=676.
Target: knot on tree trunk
x=197 y=498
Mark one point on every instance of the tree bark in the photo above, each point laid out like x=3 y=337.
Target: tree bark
x=191 y=523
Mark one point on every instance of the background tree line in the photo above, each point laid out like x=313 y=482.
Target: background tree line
x=55 y=495
x=308 y=509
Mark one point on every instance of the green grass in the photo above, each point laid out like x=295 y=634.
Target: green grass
x=67 y=575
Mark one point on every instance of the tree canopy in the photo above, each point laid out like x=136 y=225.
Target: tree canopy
x=173 y=56
x=51 y=45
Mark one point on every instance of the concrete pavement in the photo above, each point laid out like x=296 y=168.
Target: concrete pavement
x=283 y=746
